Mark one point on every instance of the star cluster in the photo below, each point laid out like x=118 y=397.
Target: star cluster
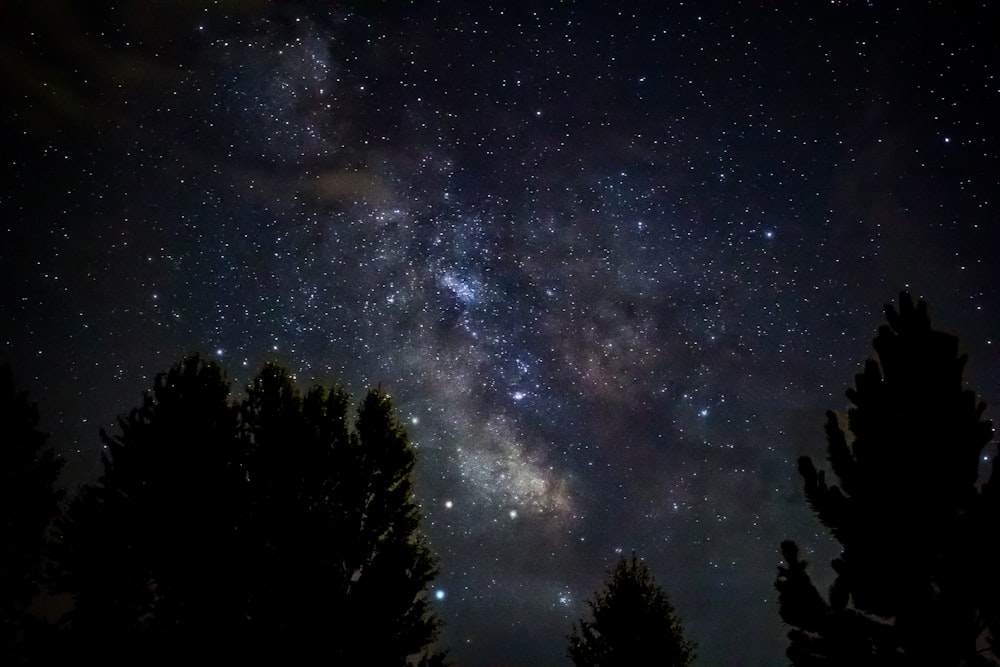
x=613 y=264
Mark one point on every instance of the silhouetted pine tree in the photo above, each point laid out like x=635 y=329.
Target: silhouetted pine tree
x=335 y=519
x=632 y=623
x=915 y=582
x=152 y=553
x=291 y=504
x=29 y=500
x=389 y=569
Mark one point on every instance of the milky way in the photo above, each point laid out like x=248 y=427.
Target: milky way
x=612 y=265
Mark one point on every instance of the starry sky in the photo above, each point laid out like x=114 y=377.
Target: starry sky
x=612 y=261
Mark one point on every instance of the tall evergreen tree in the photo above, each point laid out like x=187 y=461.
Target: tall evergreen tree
x=29 y=500
x=915 y=582
x=151 y=553
x=333 y=506
x=388 y=569
x=290 y=536
x=632 y=623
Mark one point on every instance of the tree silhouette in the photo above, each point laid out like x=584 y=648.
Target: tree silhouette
x=29 y=500
x=273 y=528
x=333 y=508
x=632 y=623
x=915 y=582
x=151 y=553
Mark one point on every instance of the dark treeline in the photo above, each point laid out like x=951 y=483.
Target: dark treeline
x=29 y=500
x=284 y=526
x=280 y=526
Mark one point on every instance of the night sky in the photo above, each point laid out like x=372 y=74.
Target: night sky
x=612 y=262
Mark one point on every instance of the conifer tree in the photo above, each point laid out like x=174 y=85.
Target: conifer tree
x=151 y=553
x=915 y=581
x=632 y=623
x=332 y=504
